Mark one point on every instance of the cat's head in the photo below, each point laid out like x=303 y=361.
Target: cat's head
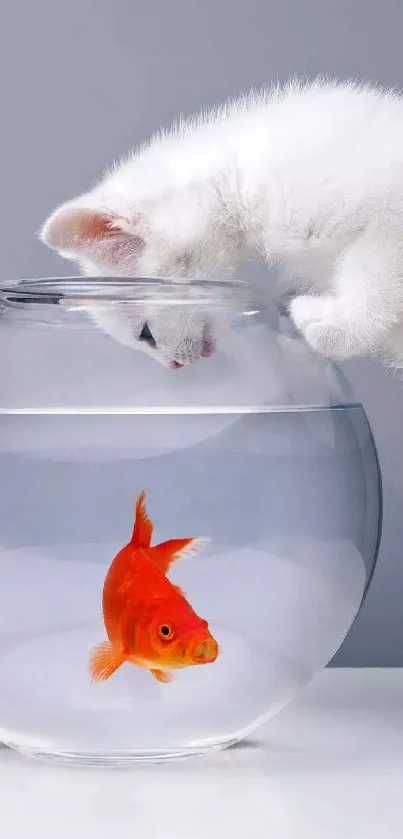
x=174 y=235
x=173 y=335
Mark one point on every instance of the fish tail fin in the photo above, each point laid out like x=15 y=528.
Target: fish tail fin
x=104 y=661
x=165 y=554
x=143 y=526
x=190 y=547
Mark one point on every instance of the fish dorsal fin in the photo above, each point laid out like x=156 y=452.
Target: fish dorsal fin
x=165 y=554
x=143 y=526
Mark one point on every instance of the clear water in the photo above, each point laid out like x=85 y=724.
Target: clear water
x=290 y=501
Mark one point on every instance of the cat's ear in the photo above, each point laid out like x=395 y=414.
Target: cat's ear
x=93 y=234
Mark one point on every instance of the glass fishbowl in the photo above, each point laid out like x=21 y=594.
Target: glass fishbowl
x=182 y=545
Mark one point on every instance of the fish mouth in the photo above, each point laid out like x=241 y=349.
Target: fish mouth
x=206 y=652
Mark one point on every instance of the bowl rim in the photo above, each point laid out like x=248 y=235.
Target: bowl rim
x=79 y=291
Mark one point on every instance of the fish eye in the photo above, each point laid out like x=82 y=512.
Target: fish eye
x=166 y=631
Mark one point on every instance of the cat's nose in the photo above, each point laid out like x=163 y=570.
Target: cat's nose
x=209 y=349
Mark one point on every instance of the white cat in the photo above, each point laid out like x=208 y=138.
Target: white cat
x=310 y=176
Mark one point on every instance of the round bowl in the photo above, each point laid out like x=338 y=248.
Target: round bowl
x=258 y=445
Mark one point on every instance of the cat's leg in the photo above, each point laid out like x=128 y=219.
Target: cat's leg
x=366 y=301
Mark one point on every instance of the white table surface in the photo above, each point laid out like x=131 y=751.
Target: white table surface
x=328 y=767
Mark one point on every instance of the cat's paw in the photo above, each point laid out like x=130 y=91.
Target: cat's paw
x=325 y=331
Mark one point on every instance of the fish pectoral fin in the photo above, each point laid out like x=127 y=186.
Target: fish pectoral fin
x=143 y=526
x=104 y=661
x=165 y=554
x=162 y=676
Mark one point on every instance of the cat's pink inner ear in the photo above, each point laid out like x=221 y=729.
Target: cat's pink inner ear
x=70 y=228
x=88 y=232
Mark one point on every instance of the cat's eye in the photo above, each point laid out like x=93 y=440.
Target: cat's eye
x=166 y=631
x=146 y=335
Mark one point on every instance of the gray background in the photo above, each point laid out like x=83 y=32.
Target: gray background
x=83 y=80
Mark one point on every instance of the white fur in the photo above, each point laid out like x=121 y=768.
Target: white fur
x=310 y=175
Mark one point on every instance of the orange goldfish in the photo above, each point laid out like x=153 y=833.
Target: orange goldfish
x=148 y=620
